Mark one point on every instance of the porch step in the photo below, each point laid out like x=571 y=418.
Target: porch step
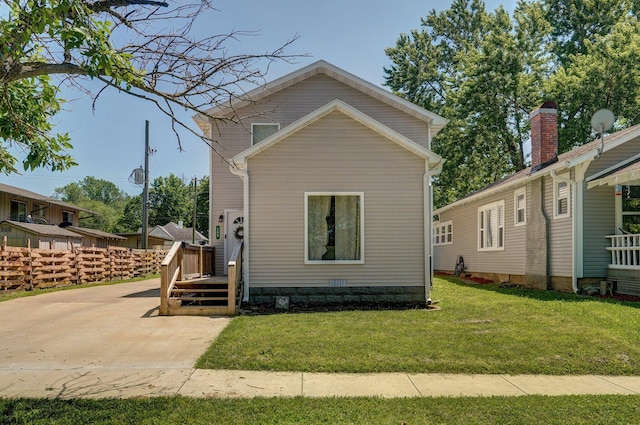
x=199 y=296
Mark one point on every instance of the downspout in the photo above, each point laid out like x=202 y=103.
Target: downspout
x=574 y=222
x=244 y=175
x=428 y=226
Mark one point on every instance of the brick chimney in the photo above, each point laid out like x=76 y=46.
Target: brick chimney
x=544 y=135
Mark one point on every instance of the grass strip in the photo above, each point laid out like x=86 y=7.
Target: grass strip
x=479 y=329
x=566 y=410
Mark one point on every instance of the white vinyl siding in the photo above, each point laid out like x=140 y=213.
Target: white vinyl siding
x=259 y=132
x=491 y=227
x=443 y=233
x=520 y=207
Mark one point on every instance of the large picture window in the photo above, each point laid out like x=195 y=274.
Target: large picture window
x=334 y=227
x=491 y=227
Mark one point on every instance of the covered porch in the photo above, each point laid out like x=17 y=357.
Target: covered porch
x=623 y=272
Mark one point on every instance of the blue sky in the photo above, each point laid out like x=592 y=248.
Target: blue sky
x=109 y=141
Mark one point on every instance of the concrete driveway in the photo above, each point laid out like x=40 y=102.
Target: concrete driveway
x=100 y=341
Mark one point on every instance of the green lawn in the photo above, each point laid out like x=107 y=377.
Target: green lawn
x=479 y=329
x=533 y=410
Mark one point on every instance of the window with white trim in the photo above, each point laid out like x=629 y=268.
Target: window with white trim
x=334 y=228
x=259 y=132
x=443 y=233
x=562 y=197
x=491 y=227
x=520 y=207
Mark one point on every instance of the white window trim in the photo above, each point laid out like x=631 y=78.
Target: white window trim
x=306 y=228
x=262 y=123
x=516 y=194
x=482 y=210
x=556 y=182
x=437 y=231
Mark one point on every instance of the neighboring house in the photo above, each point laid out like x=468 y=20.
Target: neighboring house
x=566 y=222
x=23 y=205
x=42 y=236
x=97 y=238
x=172 y=232
x=326 y=179
x=163 y=237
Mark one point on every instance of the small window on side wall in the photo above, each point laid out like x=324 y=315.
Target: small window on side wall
x=491 y=227
x=259 y=132
x=67 y=217
x=443 y=233
x=561 y=197
x=520 y=207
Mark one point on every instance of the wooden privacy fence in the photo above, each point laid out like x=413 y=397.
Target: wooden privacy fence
x=27 y=268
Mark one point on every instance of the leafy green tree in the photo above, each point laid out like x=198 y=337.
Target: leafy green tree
x=486 y=72
x=131 y=218
x=170 y=199
x=202 y=199
x=140 y=47
x=100 y=196
x=474 y=68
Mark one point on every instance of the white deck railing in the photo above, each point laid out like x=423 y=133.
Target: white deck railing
x=625 y=250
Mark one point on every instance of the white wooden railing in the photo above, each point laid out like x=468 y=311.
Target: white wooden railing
x=625 y=250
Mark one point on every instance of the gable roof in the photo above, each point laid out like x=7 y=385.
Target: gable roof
x=36 y=196
x=343 y=107
x=181 y=233
x=96 y=233
x=322 y=67
x=566 y=160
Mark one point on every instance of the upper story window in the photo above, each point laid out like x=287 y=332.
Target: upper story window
x=334 y=228
x=520 y=207
x=67 y=216
x=491 y=227
x=259 y=132
x=38 y=214
x=443 y=233
x=18 y=211
x=561 y=197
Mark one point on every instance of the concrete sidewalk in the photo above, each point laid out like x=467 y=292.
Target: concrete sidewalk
x=132 y=383
x=109 y=341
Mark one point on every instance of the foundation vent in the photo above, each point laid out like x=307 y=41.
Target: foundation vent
x=338 y=283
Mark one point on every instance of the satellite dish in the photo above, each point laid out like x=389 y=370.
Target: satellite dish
x=602 y=121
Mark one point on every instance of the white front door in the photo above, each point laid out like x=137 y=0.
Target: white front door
x=234 y=229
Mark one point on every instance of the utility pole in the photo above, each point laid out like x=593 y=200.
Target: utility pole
x=145 y=192
x=195 y=209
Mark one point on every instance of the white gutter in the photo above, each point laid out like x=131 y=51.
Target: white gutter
x=574 y=272
x=428 y=226
x=244 y=175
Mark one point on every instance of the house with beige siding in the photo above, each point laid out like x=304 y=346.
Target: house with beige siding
x=567 y=222
x=326 y=181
